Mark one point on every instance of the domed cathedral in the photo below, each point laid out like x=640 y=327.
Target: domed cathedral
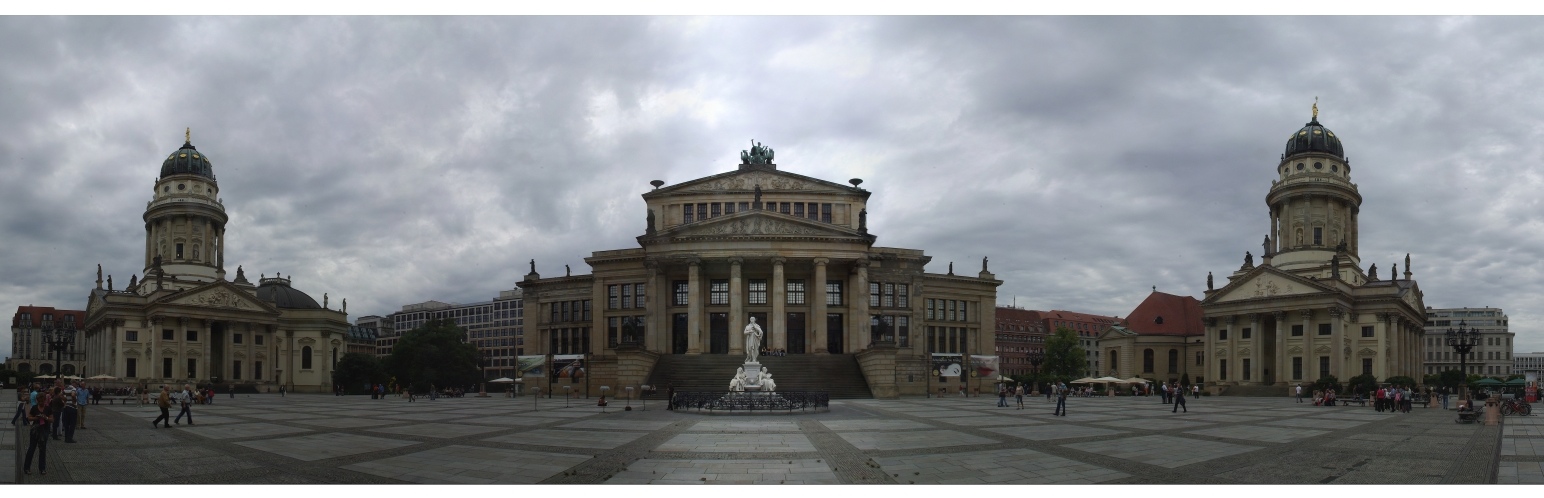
x=792 y=252
x=184 y=322
x=1308 y=310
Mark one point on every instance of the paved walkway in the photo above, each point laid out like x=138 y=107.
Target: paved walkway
x=266 y=439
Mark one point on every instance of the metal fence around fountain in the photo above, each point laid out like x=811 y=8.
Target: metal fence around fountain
x=747 y=402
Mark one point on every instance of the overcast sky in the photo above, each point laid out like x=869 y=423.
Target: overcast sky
x=396 y=160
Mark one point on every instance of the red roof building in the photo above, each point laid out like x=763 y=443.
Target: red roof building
x=1160 y=340
x=29 y=353
x=1019 y=333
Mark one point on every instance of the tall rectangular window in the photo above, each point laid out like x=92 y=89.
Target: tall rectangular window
x=952 y=310
x=564 y=312
x=795 y=291
x=235 y=338
x=758 y=292
x=1324 y=329
x=1200 y=358
x=611 y=331
x=901 y=296
x=728 y=208
x=257 y=339
x=131 y=368
x=745 y=206
x=1366 y=366
x=236 y=370
x=873 y=294
x=1367 y=331
x=682 y=292
x=1246 y=368
x=798 y=209
x=784 y=207
x=1222 y=334
x=1222 y=372
x=1318 y=236
x=612 y=296
x=929 y=306
x=1297 y=330
x=586 y=310
x=903 y=330
x=889 y=296
x=1297 y=368
x=1245 y=335
x=687 y=214
x=638 y=300
x=833 y=293
x=627 y=296
x=1324 y=366
x=166 y=368
x=825 y=212
x=702 y=211
x=718 y=292
x=717 y=210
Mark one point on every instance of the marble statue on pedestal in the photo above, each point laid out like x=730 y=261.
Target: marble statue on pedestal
x=737 y=384
x=753 y=336
x=766 y=381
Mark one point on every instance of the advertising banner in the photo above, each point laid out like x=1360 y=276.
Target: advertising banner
x=986 y=366
x=568 y=366
x=532 y=366
x=947 y=364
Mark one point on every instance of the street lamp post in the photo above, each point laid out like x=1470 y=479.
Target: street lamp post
x=1463 y=341
x=1035 y=359
x=482 y=363
x=57 y=338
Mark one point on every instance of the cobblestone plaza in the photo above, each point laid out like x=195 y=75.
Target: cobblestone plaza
x=267 y=439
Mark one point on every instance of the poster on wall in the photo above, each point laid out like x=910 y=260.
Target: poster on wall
x=947 y=364
x=532 y=366
x=568 y=366
x=1532 y=392
x=986 y=366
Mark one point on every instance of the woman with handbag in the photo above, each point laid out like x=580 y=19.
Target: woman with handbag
x=40 y=417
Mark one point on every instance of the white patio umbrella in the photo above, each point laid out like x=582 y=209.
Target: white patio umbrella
x=502 y=380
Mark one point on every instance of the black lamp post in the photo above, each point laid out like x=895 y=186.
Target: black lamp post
x=58 y=338
x=1035 y=359
x=482 y=364
x=1463 y=341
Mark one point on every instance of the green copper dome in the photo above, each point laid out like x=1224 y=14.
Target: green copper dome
x=187 y=161
x=1314 y=137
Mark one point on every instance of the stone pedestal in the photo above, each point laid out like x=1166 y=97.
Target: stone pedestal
x=1493 y=410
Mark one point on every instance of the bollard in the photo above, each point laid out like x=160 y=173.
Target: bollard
x=1493 y=410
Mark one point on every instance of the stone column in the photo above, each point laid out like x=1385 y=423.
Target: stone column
x=1337 y=343
x=1283 y=360
x=1233 y=356
x=858 y=329
x=1380 y=364
x=737 y=317
x=207 y=358
x=777 y=335
x=1310 y=358
x=289 y=361
x=657 y=311
x=1256 y=352
x=816 y=323
x=694 y=307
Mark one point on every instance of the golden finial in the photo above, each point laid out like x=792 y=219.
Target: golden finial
x=187 y=135
x=1316 y=108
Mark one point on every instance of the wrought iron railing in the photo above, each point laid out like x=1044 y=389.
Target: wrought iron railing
x=752 y=401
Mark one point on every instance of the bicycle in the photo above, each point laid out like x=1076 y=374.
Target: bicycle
x=1515 y=407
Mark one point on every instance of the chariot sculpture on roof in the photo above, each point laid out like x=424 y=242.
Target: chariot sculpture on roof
x=757 y=155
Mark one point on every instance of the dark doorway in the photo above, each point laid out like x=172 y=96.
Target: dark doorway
x=217 y=362
x=834 y=336
x=796 y=333
x=678 y=334
x=718 y=333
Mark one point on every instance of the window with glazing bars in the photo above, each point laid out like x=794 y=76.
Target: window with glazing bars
x=718 y=292
x=758 y=292
x=795 y=291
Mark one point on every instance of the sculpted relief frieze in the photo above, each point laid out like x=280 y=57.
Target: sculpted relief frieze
x=220 y=299
x=1266 y=287
x=755 y=226
x=750 y=181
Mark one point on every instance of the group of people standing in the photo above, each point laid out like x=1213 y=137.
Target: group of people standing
x=1394 y=399
x=47 y=412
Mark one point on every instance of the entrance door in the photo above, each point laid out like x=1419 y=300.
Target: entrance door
x=796 y=333
x=718 y=336
x=678 y=334
x=834 y=336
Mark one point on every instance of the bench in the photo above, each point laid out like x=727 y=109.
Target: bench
x=1349 y=401
x=113 y=399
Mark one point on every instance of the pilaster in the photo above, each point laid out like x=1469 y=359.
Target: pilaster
x=694 y=307
x=817 y=321
x=778 y=335
x=736 y=308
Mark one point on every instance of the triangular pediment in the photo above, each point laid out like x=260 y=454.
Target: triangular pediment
x=1265 y=282
x=220 y=294
x=746 y=180
x=1116 y=332
x=1295 y=350
x=759 y=223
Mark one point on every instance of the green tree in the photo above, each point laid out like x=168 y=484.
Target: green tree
x=1451 y=378
x=1328 y=382
x=434 y=353
x=1064 y=358
x=1401 y=380
x=1364 y=383
x=355 y=370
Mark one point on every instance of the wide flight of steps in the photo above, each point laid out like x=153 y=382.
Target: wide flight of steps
x=838 y=374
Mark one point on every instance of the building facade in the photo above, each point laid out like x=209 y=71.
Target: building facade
x=1308 y=310
x=792 y=252
x=1525 y=363
x=1160 y=340
x=1087 y=326
x=30 y=354
x=186 y=323
x=1492 y=357
x=1020 y=332
x=496 y=327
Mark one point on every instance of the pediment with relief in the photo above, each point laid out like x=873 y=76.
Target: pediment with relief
x=1264 y=284
x=754 y=223
x=216 y=295
x=768 y=181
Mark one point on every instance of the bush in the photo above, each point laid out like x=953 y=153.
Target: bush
x=1401 y=380
x=1328 y=382
x=1364 y=383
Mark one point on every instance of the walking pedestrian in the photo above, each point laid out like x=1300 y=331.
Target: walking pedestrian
x=1179 y=401
x=1018 y=395
x=164 y=402
x=82 y=398
x=1299 y=393
x=39 y=418
x=1061 y=400
x=69 y=397
x=56 y=406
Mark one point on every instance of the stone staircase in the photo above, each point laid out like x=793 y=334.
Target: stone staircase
x=837 y=374
x=1257 y=391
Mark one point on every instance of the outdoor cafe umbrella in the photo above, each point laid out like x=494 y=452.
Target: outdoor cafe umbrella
x=1085 y=380
x=101 y=377
x=1136 y=380
x=502 y=380
x=1488 y=382
x=1108 y=380
x=1517 y=383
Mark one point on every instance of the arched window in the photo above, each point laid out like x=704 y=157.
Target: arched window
x=305 y=358
x=1173 y=361
x=24 y=368
x=67 y=369
x=46 y=368
x=1147 y=360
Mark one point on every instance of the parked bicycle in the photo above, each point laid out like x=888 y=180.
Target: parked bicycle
x=1515 y=406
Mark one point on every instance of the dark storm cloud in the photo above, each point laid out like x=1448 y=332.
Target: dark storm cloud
x=394 y=160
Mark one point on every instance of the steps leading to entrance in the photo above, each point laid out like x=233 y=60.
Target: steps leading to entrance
x=837 y=374
x=1257 y=391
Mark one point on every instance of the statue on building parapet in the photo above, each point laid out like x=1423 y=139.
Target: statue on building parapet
x=951 y=267
x=109 y=282
x=1267 y=246
x=533 y=266
x=1372 y=272
x=650 y=229
x=99 y=275
x=1248 y=260
x=1208 y=280
x=863 y=220
x=133 y=282
x=1394 y=272
x=345 y=305
x=567 y=272
x=324 y=300
x=757 y=155
x=1407 y=266
x=756 y=204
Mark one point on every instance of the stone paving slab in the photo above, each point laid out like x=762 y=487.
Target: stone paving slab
x=459 y=464
x=1259 y=433
x=1158 y=424
x=1163 y=451
x=437 y=430
x=1052 y=432
x=1011 y=466
x=1522 y=447
x=873 y=425
x=750 y=426
x=512 y=420
x=1523 y=430
x=739 y=443
x=911 y=439
x=1312 y=423
x=634 y=425
x=1223 y=417
x=569 y=439
x=661 y=471
x=237 y=431
x=1076 y=417
x=1520 y=473
x=989 y=421
x=323 y=446
x=436 y=417
x=349 y=423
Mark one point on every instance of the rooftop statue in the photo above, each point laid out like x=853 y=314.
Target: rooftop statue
x=757 y=155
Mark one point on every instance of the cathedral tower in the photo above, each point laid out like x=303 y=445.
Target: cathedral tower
x=1313 y=205
x=185 y=220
